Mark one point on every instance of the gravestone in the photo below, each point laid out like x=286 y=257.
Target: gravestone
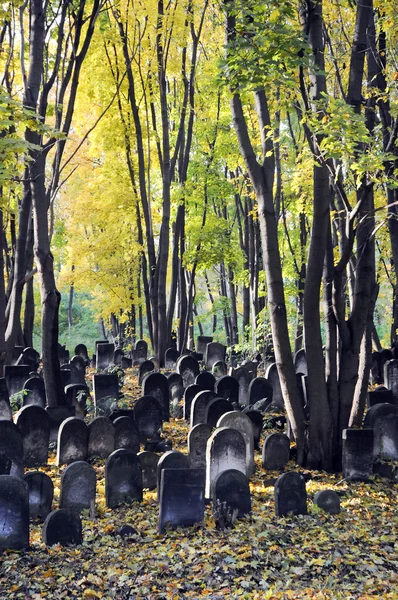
x=219 y=369
x=271 y=374
x=34 y=392
x=106 y=393
x=104 y=355
x=15 y=377
x=34 y=425
x=63 y=355
x=228 y=387
x=259 y=388
x=118 y=357
x=77 y=395
x=256 y=418
x=383 y=419
x=149 y=465
x=170 y=358
x=197 y=443
x=78 y=370
x=62 y=527
x=214 y=352
x=5 y=407
x=29 y=357
x=11 y=447
x=232 y=487
x=225 y=450
x=376 y=370
x=58 y=414
x=78 y=485
x=126 y=434
x=243 y=377
x=241 y=422
x=101 y=438
x=379 y=396
x=206 y=381
x=123 y=478
x=16 y=353
x=146 y=367
x=140 y=352
x=188 y=368
x=181 y=498
x=174 y=380
x=14 y=513
x=215 y=409
x=300 y=362
x=199 y=406
x=41 y=493
x=66 y=375
x=357 y=454
x=276 y=451
x=127 y=362
x=156 y=385
x=290 y=495
x=81 y=350
x=176 y=396
x=72 y=441
x=189 y=395
x=148 y=417
x=385 y=355
x=171 y=460
x=391 y=376
x=201 y=343
x=328 y=501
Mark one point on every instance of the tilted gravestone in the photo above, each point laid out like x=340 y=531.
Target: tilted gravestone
x=201 y=343
x=188 y=368
x=189 y=394
x=123 y=478
x=171 y=460
x=383 y=419
x=106 y=393
x=149 y=465
x=126 y=434
x=14 y=513
x=215 y=409
x=78 y=485
x=272 y=376
x=170 y=358
x=290 y=495
x=199 y=406
x=41 y=493
x=197 y=443
x=206 y=381
x=104 y=355
x=232 y=487
x=214 y=352
x=357 y=454
x=328 y=501
x=181 y=498
x=77 y=395
x=256 y=418
x=148 y=417
x=15 y=377
x=34 y=392
x=228 y=387
x=276 y=451
x=29 y=357
x=226 y=449
x=5 y=407
x=72 y=441
x=62 y=527
x=259 y=388
x=156 y=385
x=241 y=422
x=146 y=367
x=101 y=438
x=34 y=425
x=11 y=447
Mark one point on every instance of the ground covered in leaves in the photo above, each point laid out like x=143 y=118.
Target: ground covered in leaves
x=351 y=555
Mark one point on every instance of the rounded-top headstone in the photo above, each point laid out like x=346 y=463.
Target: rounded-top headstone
x=101 y=437
x=226 y=449
x=171 y=460
x=188 y=368
x=34 y=392
x=232 y=487
x=123 y=478
x=290 y=495
x=206 y=380
x=126 y=434
x=14 y=513
x=241 y=422
x=197 y=443
x=276 y=451
x=149 y=464
x=148 y=417
x=78 y=485
x=41 y=493
x=328 y=500
x=34 y=424
x=11 y=447
x=215 y=409
x=62 y=527
x=72 y=441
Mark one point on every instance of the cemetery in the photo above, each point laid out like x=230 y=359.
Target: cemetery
x=143 y=495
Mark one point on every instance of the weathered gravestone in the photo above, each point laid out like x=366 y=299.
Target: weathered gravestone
x=5 y=408
x=118 y=357
x=126 y=434
x=227 y=387
x=189 y=395
x=123 y=478
x=81 y=350
x=197 y=443
x=181 y=497
x=300 y=362
x=11 y=447
x=276 y=451
x=176 y=391
x=199 y=406
x=219 y=369
x=15 y=377
x=63 y=355
x=78 y=370
x=376 y=370
x=290 y=495
x=146 y=367
x=66 y=375
x=272 y=376
x=214 y=352
x=391 y=376
x=206 y=381
x=78 y=484
x=385 y=356
x=226 y=449
x=381 y=395
x=72 y=441
x=34 y=392
x=106 y=393
x=104 y=355
x=29 y=357
x=241 y=422
x=101 y=437
x=256 y=418
x=149 y=465
x=215 y=409
x=156 y=385
x=140 y=352
x=41 y=493
x=357 y=454
x=148 y=417
x=62 y=527
x=188 y=368
x=127 y=362
x=243 y=377
x=201 y=343
x=34 y=425
x=170 y=358
x=14 y=513
x=328 y=501
x=259 y=389
x=77 y=395
x=171 y=460
x=58 y=414
x=232 y=487
x=383 y=419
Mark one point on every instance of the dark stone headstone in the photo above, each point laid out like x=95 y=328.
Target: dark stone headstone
x=66 y=375
x=14 y=513
x=273 y=377
x=188 y=368
x=62 y=527
x=215 y=409
x=104 y=355
x=290 y=495
x=156 y=385
x=78 y=484
x=174 y=380
x=243 y=377
x=380 y=396
x=241 y=422
x=5 y=408
x=81 y=350
x=189 y=395
x=123 y=478
x=214 y=352
x=276 y=451
x=77 y=395
x=376 y=370
x=391 y=376
x=206 y=381
x=149 y=465
x=226 y=449
x=106 y=393
x=15 y=377
x=383 y=419
x=34 y=392
x=219 y=369
x=29 y=357
x=357 y=454
x=199 y=406
x=16 y=353
x=171 y=460
x=260 y=388
x=385 y=355
x=328 y=500
x=127 y=362
x=146 y=367
x=118 y=357
x=197 y=443
x=72 y=441
x=11 y=447
x=34 y=425
x=170 y=358
x=300 y=362
x=181 y=497
x=256 y=418
x=58 y=414
x=126 y=434
x=227 y=387
x=101 y=437
x=201 y=343
x=232 y=487
x=78 y=370
x=41 y=493
x=148 y=416
x=140 y=352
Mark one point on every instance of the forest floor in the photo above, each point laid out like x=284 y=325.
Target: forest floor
x=353 y=555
